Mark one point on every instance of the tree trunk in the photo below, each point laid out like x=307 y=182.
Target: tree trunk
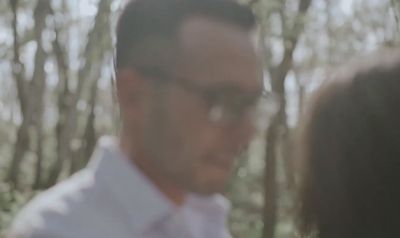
x=31 y=101
x=39 y=160
x=18 y=74
x=38 y=86
x=278 y=131
x=20 y=148
x=94 y=51
x=270 y=183
x=89 y=136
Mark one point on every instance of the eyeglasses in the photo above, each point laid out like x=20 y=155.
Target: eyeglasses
x=225 y=105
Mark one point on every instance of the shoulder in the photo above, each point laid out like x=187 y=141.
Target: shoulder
x=66 y=210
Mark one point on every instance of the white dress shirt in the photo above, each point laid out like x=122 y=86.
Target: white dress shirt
x=111 y=198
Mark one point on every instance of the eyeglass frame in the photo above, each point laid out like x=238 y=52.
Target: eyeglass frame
x=218 y=113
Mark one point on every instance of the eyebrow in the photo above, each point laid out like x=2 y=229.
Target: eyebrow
x=219 y=86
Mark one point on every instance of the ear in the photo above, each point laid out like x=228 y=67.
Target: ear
x=131 y=93
x=129 y=87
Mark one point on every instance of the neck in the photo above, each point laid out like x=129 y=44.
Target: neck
x=165 y=185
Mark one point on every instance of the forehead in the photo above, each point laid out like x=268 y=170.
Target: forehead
x=219 y=53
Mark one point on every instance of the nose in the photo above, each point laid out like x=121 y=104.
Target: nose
x=241 y=132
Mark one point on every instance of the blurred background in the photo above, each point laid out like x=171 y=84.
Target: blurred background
x=57 y=97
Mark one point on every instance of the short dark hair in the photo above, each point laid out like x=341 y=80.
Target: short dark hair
x=147 y=28
x=351 y=147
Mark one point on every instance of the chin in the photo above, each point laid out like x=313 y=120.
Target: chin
x=211 y=187
x=210 y=181
x=208 y=191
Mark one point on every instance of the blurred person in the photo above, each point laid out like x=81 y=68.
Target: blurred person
x=351 y=151
x=188 y=81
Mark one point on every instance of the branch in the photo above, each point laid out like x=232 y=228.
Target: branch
x=31 y=101
x=396 y=13
x=87 y=75
x=251 y=3
x=292 y=39
x=18 y=68
x=264 y=16
x=275 y=135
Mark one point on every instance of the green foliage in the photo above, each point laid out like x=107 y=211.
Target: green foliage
x=11 y=201
x=330 y=37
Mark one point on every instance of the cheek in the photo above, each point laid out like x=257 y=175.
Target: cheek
x=192 y=136
x=191 y=118
x=190 y=124
x=199 y=142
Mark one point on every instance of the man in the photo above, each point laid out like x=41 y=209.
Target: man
x=188 y=80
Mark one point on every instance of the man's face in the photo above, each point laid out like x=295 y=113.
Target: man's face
x=180 y=137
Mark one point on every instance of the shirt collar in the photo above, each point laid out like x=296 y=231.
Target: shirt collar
x=213 y=205
x=143 y=202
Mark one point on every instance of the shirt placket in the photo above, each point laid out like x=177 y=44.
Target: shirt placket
x=178 y=226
